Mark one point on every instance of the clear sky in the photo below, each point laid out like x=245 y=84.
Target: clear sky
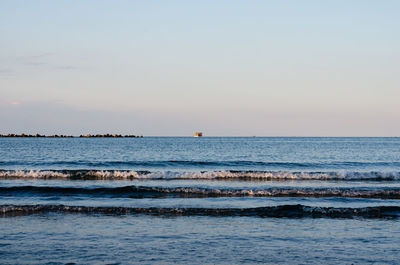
x=263 y=68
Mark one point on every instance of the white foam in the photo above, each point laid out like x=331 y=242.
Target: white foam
x=209 y=175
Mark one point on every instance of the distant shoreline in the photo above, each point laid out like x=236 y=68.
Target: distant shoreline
x=13 y=135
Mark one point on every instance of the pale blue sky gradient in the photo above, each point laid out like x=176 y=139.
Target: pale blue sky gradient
x=265 y=68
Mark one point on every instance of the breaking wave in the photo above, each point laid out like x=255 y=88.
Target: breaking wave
x=86 y=174
x=281 y=211
x=190 y=192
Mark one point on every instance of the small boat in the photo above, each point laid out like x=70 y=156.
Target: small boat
x=198 y=134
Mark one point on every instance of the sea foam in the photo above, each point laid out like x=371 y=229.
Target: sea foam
x=87 y=174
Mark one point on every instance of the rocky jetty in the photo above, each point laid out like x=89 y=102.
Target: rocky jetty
x=110 y=136
x=23 y=135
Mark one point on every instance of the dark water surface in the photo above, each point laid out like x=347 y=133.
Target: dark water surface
x=200 y=200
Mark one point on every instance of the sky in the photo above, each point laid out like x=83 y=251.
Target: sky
x=226 y=68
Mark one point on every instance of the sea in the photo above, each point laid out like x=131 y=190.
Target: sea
x=207 y=200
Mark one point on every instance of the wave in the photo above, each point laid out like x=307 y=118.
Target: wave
x=281 y=211
x=86 y=174
x=204 y=164
x=190 y=192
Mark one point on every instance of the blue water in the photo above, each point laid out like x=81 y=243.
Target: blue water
x=204 y=200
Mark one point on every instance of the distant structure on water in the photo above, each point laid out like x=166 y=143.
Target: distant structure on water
x=198 y=134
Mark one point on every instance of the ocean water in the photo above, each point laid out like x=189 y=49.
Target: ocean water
x=210 y=200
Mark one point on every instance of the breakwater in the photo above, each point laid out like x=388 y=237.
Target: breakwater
x=23 y=135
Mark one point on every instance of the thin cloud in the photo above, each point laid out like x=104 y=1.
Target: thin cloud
x=35 y=60
x=35 y=63
x=66 y=67
x=6 y=71
x=42 y=61
x=36 y=56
